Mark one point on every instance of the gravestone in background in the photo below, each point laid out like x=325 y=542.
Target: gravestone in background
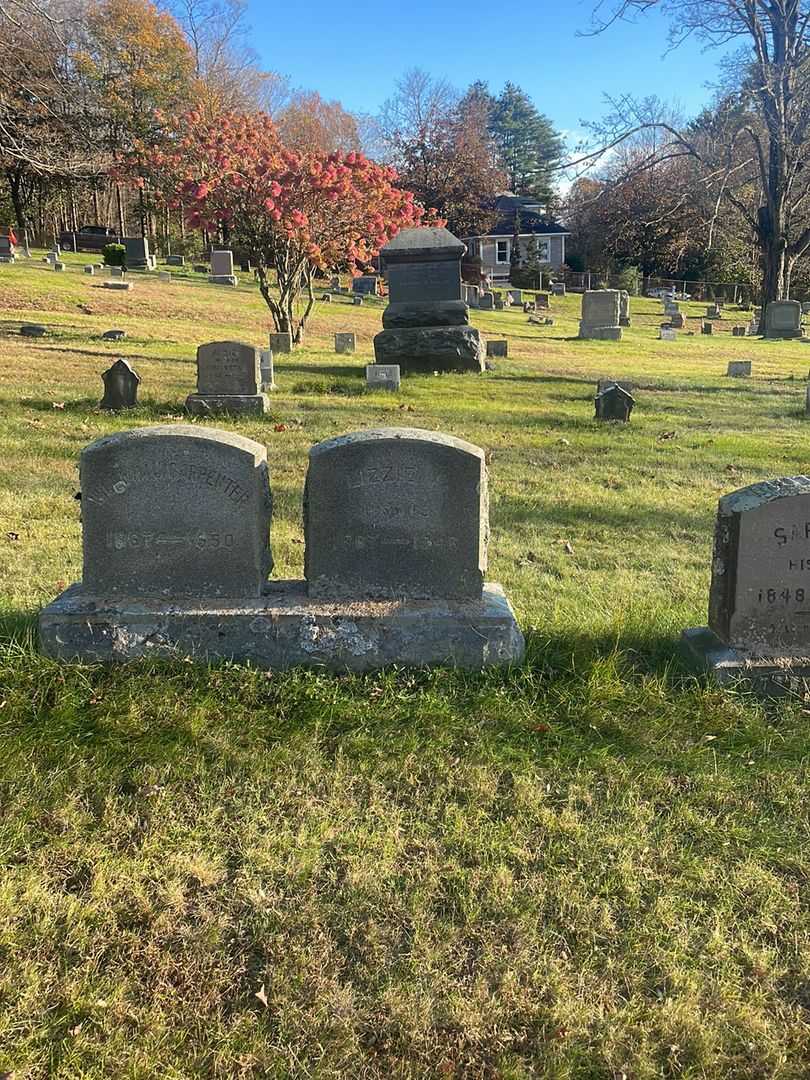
x=365 y=284
x=614 y=402
x=120 y=387
x=624 y=308
x=137 y=255
x=678 y=321
x=759 y=602
x=707 y=328
x=396 y=513
x=426 y=324
x=541 y=302
x=228 y=380
x=486 y=301
x=668 y=333
x=498 y=348
x=90 y=270
x=175 y=260
x=739 y=369
x=783 y=319
x=222 y=269
x=383 y=377
x=268 y=379
x=281 y=343
x=357 y=300
x=601 y=311
x=515 y=296
x=558 y=288
x=344 y=343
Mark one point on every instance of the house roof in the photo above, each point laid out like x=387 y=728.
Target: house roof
x=530 y=225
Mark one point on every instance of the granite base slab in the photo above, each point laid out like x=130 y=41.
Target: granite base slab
x=600 y=333
x=425 y=349
x=766 y=676
x=211 y=404
x=285 y=628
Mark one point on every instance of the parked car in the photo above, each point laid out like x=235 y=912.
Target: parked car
x=88 y=238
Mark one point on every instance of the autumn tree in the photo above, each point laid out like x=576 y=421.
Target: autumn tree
x=295 y=214
x=308 y=123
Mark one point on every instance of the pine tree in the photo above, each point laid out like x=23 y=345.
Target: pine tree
x=528 y=145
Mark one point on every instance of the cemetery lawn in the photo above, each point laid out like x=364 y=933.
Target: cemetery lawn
x=594 y=865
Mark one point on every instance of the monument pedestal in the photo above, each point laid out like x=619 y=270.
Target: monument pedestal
x=423 y=349
x=223 y=279
x=767 y=676
x=285 y=628
x=211 y=404
x=600 y=333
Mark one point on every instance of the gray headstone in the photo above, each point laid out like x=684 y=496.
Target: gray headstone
x=498 y=348
x=486 y=301
x=228 y=367
x=397 y=513
x=707 y=328
x=600 y=307
x=739 y=369
x=118 y=286
x=137 y=252
x=760 y=594
x=114 y=335
x=365 y=284
x=281 y=343
x=90 y=270
x=678 y=321
x=783 y=319
x=327 y=298
x=222 y=263
x=624 y=308
x=541 y=302
x=165 y=277
x=357 y=300
x=33 y=330
x=267 y=371
x=423 y=264
x=383 y=377
x=116 y=271
x=558 y=288
x=515 y=296
x=59 y=267
x=668 y=333
x=120 y=387
x=175 y=511
x=175 y=260
x=344 y=343
x=614 y=403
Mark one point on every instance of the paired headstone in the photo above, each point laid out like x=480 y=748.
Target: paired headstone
x=426 y=324
x=175 y=260
x=344 y=343
x=120 y=387
x=281 y=343
x=783 y=319
x=614 y=403
x=383 y=377
x=229 y=379
x=601 y=312
x=497 y=348
x=739 y=331
x=222 y=269
x=176 y=556
x=739 y=369
x=759 y=603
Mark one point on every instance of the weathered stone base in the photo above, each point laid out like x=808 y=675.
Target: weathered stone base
x=768 y=676
x=285 y=629
x=223 y=279
x=425 y=349
x=600 y=333
x=783 y=335
x=211 y=404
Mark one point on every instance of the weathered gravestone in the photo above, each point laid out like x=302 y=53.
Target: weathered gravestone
x=228 y=380
x=383 y=377
x=116 y=271
x=498 y=348
x=678 y=321
x=739 y=331
x=222 y=269
x=498 y=302
x=365 y=284
x=120 y=387
x=759 y=603
x=114 y=335
x=267 y=371
x=707 y=328
x=137 y=255
x=515 y=296
x=713 y=312
x=541 y=302
x=558 y=288
x=669 y=333
x=783 y=319
x=614 y=402
x=601 y=311
x=59 y=267
x=739 y=369
x=281 y=343
x=624 y=308
x=118 y=286
x=33 y=330
x=175 y=260
x=426 y=324
x=165 y=277
x=90 y=270
x=344 y=343
x=486 y=301
x=176 y=555
x=671 y=308
x=357 y=300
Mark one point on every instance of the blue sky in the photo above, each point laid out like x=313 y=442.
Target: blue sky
x=354 y=52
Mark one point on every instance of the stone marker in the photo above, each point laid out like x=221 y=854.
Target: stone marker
x=498 y=348
x=119 y=286
x=222 y=269
x=383 y=377
x=557 y=288
x=33 y=330
x=137 y=255
x=426 y=324
x=541 y=301
x=116 y=271
x=739 y=369
x=327 y=298
x=759 y=603
x=739 y=331
x=678 y=321
x=365 y=284
x=357 y=300
x=783 y=319
x=114 y=335
x=707 y=328
x=668 y=333
x=396 y=513
x=175 y=260
x=713 y=312
x=498 y=302
x=344 y=343
x=515 y=296
x=245 y=266
x=200 y=268
x=229 y=379
x=176 y=554
x=281 y=343
x=120 y=387
x=165 y=277
x=90 y=269
x=614 y=403
x=624 y=308
x=601 y=311
x=486 y=301
x=59 y=267
x=671 y=308
x=267 y=371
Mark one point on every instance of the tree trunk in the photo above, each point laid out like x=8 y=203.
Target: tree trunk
x=120 y=208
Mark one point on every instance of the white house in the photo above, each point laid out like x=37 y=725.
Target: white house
x=495 y=249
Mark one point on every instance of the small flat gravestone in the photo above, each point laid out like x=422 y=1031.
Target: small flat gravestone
x=120 y=387
x=32 y=330
x=344 y=343
x=90 y=270
x=614 y=402
x=119 y=286
x=668 y=333
x=175 y=260
x=396 y=513
x=383 y=377
x=165 y=277
x=229 y=380
x=498 y=348
x=357 y=300
x=739 y=369
x=759 y=603
x=281 y=343
x=114 y=335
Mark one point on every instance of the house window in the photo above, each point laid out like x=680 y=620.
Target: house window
x=501 y=251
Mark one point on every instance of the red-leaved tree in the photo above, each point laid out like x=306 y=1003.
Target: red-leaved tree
x=295 y=214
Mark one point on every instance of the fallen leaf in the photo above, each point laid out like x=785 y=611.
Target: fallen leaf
x=541 y=728
x=261 y=994
x=13 y=536
x=280 y=427
x=61 y=585
x=668 y=435
x=58 y=404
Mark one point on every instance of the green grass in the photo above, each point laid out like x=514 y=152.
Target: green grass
x=593 y=866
